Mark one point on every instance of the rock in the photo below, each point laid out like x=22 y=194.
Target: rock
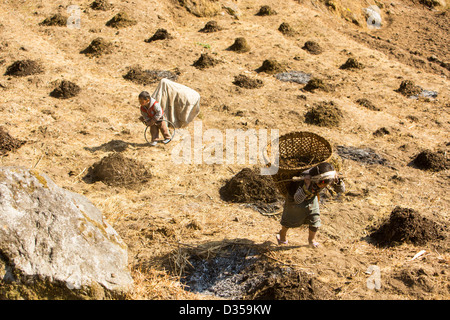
x=55 y=244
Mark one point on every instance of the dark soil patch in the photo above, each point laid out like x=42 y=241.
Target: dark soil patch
x=351 y=63
x=121 y=20
x=433 y=161
x=312 y=47
x=246 y=82
x=56 y=20
x=408 y=88
x=407 y=226
x=294 y=76
x=145 y=77
x=381 y=132
x=266 y=11
x=65 y=90
x=211 y=26
x=367 y=104
x=22 y=68
x=8 y=143
x=116 y=170
x=240 y=45
x=160 y=34
x=367 y=155
x=102 y=5
x=316 y=84
x=239 y=272
x=324 y=114
x=98 y=47
x=271 y=67
x=419 y=281
x=430 y=3
x=286 y=29
x=248 y=186
x=205 y=61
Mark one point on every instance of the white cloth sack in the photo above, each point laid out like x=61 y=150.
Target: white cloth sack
x=180 y=103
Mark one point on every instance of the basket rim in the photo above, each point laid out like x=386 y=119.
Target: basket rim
x=296 y=133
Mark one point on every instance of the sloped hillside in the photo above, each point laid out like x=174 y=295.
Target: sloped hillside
x=68 y=104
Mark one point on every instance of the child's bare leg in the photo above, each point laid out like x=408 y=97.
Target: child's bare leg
x=282 y=233
x=311 y=236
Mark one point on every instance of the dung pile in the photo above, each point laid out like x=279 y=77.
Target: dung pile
x=271 y=66
x=102 y=5
x=312 y=47
x=407 y=226
x=240 y=45
x=22 y=68
x=266 y=11
x=98 y=47
x=408 y=88
x=281 y=283
x=351 y=63
x=56 y=20
x=246 y=82
x=433 y=161
x=247 y=186
x=324 y=114
x=366 y=103
x=316 y=84
x=145 y=77
x=160 y=34
x=8 y=143
x=211 y=26
x=121 y=20
x=286 y=29
x=65 y=90
x=116 y=170
x=205 y=61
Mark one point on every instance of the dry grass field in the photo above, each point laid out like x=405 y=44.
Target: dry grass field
x=172 y=216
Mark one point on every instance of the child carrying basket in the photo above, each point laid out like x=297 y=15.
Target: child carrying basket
x=303 y=173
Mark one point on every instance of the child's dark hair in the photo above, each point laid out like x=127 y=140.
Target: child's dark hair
x=321 y=168
x=144 y=95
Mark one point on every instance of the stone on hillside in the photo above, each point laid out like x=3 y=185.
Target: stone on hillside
x=55 y=244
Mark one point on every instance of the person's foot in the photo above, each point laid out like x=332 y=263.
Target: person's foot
x=280 y=242
x=313 y=244
x=166 y=141
x=153 y=143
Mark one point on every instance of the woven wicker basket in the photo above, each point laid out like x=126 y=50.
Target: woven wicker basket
x=299 y=151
